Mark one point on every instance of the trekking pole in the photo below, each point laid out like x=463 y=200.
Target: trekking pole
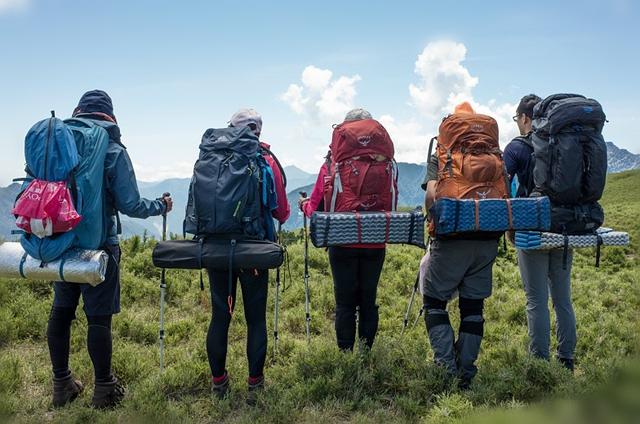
x=163 y=287
x=307 y=306
x=276 y=303
x=405 y=322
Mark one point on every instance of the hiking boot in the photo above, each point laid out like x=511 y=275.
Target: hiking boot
x=255 y=386
x=65 y=390
x=567 y=363
x=464 y=384
x=220 y=385
x=107 y=394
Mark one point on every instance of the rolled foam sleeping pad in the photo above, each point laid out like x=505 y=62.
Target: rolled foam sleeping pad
x=214 y=253
x=343 y=228
x=75 y=265
x=535 y=240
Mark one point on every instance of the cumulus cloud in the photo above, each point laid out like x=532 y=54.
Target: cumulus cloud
x=443 y=81
x=11 y=5
x=321 y=97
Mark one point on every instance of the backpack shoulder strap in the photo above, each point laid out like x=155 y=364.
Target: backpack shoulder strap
x=525 y=139
x=264 y=150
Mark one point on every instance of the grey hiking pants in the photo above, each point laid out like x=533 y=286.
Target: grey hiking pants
x=464 y=266
x=542 y=273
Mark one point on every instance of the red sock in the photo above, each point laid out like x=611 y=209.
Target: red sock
x=219 y=380
x=255 y=380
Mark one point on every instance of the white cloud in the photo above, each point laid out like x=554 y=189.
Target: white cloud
x=321 y=98
x=11 y=5
x=443 y=82
x=442 y=77
x=410 y=139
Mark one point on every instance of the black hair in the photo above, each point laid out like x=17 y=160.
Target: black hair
x=527 y=103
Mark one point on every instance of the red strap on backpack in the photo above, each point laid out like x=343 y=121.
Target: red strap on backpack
x=386 y=235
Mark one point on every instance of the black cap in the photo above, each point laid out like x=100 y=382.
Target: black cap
x=526 y=105
x=95 y=101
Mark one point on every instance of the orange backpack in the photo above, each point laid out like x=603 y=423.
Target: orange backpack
x=470 y=164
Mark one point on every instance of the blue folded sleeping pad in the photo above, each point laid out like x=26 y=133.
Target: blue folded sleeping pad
x=453 y=216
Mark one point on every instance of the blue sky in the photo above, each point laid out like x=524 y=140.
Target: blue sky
x=177 y=68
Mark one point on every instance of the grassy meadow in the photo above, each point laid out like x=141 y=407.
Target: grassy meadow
x=395 y=382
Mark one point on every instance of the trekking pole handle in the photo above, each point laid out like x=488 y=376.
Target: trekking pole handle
x=165 y=194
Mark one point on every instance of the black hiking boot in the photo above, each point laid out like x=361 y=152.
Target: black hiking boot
x=220 y=386
x=107 y=394
x=255 y=386
x=567 y=363
x=464 y=384
x=65 y=390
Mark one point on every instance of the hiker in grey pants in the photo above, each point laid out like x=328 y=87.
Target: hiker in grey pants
x=457 y=265
x=542 y=271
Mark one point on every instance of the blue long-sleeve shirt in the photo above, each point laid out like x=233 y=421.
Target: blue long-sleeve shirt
x=517 y=158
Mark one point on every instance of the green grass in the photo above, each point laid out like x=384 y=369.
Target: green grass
x=395 y=382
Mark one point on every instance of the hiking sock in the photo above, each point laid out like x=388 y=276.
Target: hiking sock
x=58 y=339
x=99 y=345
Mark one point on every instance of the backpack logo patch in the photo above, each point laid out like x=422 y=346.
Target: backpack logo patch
x=477 y=128
x=483 y=194
x=587 y=109
x=222 y=138
x=364 y=140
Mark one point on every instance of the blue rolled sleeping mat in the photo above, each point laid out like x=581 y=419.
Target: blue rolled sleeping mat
x=344 y=228
x=454 y=216
x=536 y=240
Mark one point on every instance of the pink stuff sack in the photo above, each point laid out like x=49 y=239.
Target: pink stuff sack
x=46 y=208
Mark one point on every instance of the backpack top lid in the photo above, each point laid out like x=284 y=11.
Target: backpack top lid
x=465 y=126
x=360 y=138
x=559 y=111
x=240 y=140
x=50 y=150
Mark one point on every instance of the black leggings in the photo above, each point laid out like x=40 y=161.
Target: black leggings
x=99 y=342
x=254 y=284
x=356 y=272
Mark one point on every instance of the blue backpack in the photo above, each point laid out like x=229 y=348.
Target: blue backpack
x=73 y=151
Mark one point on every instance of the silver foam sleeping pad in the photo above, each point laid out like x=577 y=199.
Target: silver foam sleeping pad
x=75 y=266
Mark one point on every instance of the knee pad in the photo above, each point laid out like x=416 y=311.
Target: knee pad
x=433 y=303
x=470 y=307
x=434 y=320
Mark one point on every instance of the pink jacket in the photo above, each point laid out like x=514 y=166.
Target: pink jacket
x=317 y=197
x=283 y=210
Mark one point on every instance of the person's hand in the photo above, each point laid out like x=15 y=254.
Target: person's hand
x=302 y=201
x=168 y=202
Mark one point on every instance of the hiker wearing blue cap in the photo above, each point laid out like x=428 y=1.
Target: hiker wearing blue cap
x=542 y=271
x=95 y=111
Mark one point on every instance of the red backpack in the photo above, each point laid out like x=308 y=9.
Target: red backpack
x=362 y=173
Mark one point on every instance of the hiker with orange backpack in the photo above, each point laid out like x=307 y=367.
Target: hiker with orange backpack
x=359 y=175
x=467 y=164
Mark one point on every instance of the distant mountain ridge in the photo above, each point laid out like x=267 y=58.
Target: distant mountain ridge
x=410 y=194
x=621 y=159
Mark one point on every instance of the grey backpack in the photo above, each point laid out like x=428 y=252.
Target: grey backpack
x=569 y=162
x=224 y=196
